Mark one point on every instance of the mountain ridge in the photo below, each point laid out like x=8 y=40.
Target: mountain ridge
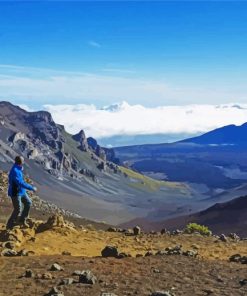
x=75 y=172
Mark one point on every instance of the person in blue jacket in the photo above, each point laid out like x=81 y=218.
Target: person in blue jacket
x=17 y=191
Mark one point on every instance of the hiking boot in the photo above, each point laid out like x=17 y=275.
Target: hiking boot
x=23 y=222
x=9 y=227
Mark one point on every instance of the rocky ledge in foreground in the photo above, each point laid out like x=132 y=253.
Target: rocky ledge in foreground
x=118 y=262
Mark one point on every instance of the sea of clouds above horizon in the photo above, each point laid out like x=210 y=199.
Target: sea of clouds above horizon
x=125 y=119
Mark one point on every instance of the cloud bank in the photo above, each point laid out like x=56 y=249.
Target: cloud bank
x=125 y=119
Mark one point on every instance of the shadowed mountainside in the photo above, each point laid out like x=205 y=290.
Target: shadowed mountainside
x=230 y=216
x=214 y=164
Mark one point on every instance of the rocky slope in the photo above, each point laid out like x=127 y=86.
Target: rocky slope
x=231 y=215
x=75 y=173
x=63 y=254
x=55 y=257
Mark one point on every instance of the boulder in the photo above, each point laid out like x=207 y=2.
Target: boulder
x=87 y=277
x=56 y=267
x=109 y=251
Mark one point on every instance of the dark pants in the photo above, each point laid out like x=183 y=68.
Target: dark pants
x=17 y=202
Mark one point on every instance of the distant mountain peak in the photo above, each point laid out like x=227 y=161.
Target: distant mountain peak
x=229 y=134
x=117 y=107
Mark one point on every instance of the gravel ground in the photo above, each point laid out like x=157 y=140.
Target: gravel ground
x=129 y=276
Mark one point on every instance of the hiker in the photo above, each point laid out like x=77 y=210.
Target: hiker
x=17 y=192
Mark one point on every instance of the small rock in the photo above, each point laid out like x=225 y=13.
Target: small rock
x=107 y=294
x=177 y=232
x=23 y=252
x=87 y=277
x=235 y=258
x=244 y=260
x=190 y=253
x=161 y=293
x=128 y=232
x=223 y=238
x=208 y=291
x=112 y=229
x=177 y=250
x=234 y=236
x=243 y=282
x=149 y=253
x=46 y=276
x=139 y=255
x=55 y=292
x=109 y=251
x=137 y=230
x=8 y=253
x=155 y=270
x=161 y=253
x=77 y=272
x=9 y=245
x=56 y=267
x=66 y=253
x=196 y=247
x=163 y=231
x=123 y=255
x=67 y=281
x=29 y=274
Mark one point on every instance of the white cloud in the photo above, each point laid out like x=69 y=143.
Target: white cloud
x=125 y=119
x=94 y=43
x=26 y=107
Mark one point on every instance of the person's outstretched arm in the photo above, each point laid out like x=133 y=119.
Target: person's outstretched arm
x=21 y=183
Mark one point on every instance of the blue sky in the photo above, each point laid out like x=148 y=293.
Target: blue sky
x=194 y=46
x=100 y=53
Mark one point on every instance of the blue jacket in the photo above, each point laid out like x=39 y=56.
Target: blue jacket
x=17 y=185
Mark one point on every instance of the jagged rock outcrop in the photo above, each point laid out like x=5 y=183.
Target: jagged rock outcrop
x=55 y=221
x=37 y=137
x=82 y=140
x=99 y=151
